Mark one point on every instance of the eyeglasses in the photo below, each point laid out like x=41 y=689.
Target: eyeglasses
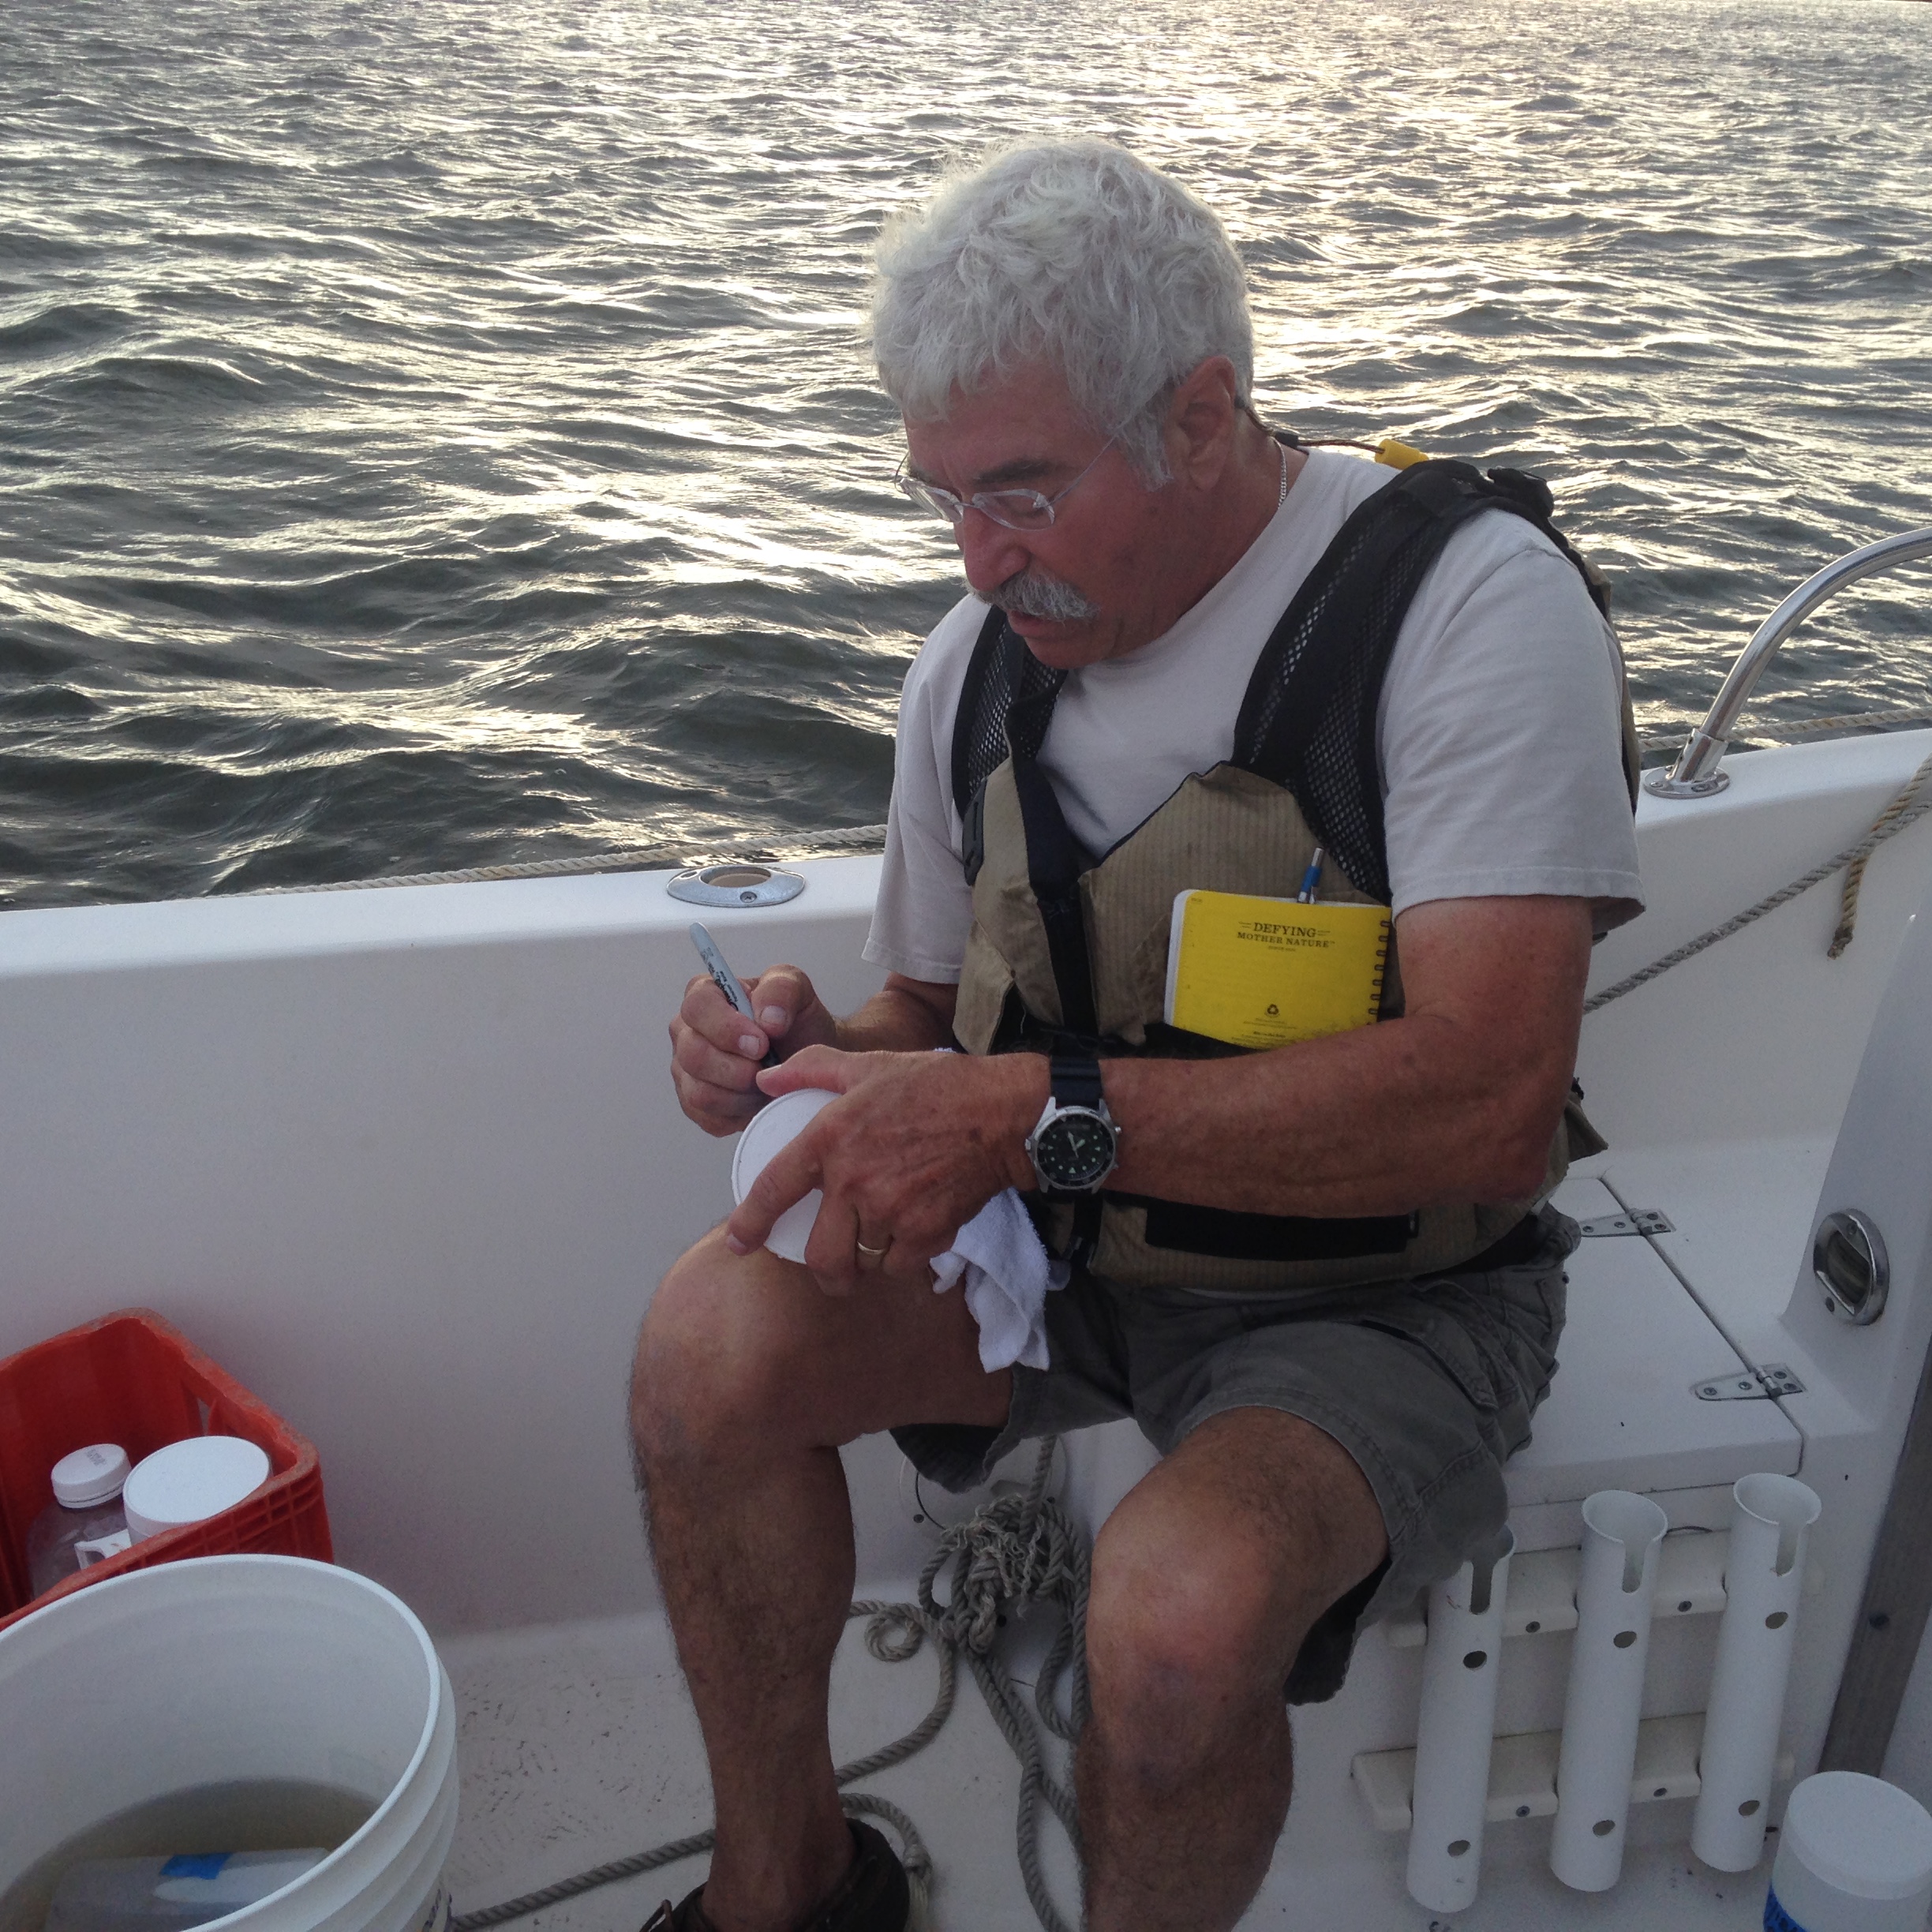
x=1014 y=509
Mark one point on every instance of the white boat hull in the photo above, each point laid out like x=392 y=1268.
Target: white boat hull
x=406 y=1162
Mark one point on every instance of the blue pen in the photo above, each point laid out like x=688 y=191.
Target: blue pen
x=1310 y=879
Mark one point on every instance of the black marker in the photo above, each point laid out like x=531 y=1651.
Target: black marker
x=725 y=980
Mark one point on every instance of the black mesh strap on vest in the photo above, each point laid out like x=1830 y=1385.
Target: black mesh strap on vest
x=1055 y=860
x=1004 y=683
x=1006 y=702
x=1005 y=706
x=1308 y=721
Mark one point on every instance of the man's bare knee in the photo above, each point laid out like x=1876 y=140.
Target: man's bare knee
x=1186 y=1643
x=744 y=1355
x=1205 y=1585
x=709 y=1359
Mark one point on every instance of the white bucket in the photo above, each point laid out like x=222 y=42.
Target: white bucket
x=221 y=1668
x=1855 y=1856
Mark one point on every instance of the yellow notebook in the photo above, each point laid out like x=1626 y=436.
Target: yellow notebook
x=1262 y=972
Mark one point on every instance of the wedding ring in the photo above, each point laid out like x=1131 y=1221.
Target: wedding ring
x=876 y=1253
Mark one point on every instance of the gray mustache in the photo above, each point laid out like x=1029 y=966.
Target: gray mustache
x=1033 y=593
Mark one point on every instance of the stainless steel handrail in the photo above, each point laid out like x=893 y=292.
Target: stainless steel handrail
x=1696 y=774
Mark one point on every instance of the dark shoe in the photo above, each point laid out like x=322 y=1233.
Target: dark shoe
x=873 y=1896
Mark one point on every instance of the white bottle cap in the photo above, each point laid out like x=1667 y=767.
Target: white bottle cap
x=189 y=1481
x=1860 y=1835
x=90 y=1475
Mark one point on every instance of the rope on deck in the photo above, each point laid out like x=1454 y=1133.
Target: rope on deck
x=637 y=858
x=1015 y=1552
x=1666 y=745
x=1845 y=722
x=1911 y=804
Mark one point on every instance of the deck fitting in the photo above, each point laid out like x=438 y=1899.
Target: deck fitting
x=1755 y=1385
x=1639 y=1221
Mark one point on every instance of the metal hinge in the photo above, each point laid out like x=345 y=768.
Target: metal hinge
x=1772 y=1379
x=1643 y=1221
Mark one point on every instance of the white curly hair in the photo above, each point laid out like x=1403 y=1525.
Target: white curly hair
x=1073 y=251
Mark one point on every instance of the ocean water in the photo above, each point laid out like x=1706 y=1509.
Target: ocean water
x=435 y=432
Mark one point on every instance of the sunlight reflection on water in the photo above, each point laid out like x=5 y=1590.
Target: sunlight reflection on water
x=437 y=434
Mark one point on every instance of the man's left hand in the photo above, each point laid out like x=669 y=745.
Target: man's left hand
x=916 y=1145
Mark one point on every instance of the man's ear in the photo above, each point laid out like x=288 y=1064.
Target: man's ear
x=1200 y=426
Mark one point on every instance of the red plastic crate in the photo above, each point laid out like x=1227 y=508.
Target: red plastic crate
x=132 y=1378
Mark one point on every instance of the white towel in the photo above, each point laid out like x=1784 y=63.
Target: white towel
x=1008 y=1274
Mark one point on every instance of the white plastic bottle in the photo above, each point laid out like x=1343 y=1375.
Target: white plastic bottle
x=85 y=1523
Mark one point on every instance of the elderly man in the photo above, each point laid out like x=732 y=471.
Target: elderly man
x=1319 y=1276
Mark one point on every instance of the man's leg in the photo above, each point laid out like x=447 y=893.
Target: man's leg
x=748 y=1377
x=1206 y=1580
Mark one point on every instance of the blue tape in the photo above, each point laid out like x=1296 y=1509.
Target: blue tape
x=208 y=1865
x=1776 y=1919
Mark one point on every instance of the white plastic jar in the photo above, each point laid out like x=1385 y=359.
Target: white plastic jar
x=1854 y=1855
x=189 y=1481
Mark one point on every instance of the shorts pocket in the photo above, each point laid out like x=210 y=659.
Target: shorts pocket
x=1445 y=1340
x=1493 y=1334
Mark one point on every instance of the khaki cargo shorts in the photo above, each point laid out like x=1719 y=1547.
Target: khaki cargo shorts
x=1428 y=1385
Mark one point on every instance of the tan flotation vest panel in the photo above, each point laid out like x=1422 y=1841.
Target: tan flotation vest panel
x=1224 y=830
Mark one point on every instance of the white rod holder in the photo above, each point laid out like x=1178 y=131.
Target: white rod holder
x=1615 y=1583
x=1457 y=1726
x=1764 y=1581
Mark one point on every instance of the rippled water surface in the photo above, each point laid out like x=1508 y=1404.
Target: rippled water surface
x=433 y=432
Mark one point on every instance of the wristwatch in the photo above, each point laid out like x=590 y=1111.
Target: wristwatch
x=1075 y=1144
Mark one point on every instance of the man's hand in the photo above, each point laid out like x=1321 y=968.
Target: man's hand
x=917 y=1145
x=715 y=1050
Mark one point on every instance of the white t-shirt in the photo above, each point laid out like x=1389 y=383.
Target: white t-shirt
x=1497 y=731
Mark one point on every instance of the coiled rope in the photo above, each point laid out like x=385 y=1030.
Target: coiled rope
x=1017 y=1550
x=1910 y=805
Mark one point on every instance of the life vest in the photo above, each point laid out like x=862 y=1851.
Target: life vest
x=1067 y=950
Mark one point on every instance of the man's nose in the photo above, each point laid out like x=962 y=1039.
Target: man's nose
x=989 y=551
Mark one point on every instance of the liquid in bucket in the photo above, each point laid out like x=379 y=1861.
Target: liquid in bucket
x=277 y=1816
x=172 y=1894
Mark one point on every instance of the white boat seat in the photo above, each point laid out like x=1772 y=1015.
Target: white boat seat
x=1621 y=1412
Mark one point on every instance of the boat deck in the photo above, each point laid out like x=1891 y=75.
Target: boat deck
x=578 y=1746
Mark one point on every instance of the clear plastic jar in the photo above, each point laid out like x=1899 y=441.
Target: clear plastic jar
x=85 y=1523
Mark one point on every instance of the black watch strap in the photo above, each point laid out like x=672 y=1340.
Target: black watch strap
x=1076 y=1078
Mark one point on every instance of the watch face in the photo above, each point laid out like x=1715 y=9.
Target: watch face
x=1074 y=1149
